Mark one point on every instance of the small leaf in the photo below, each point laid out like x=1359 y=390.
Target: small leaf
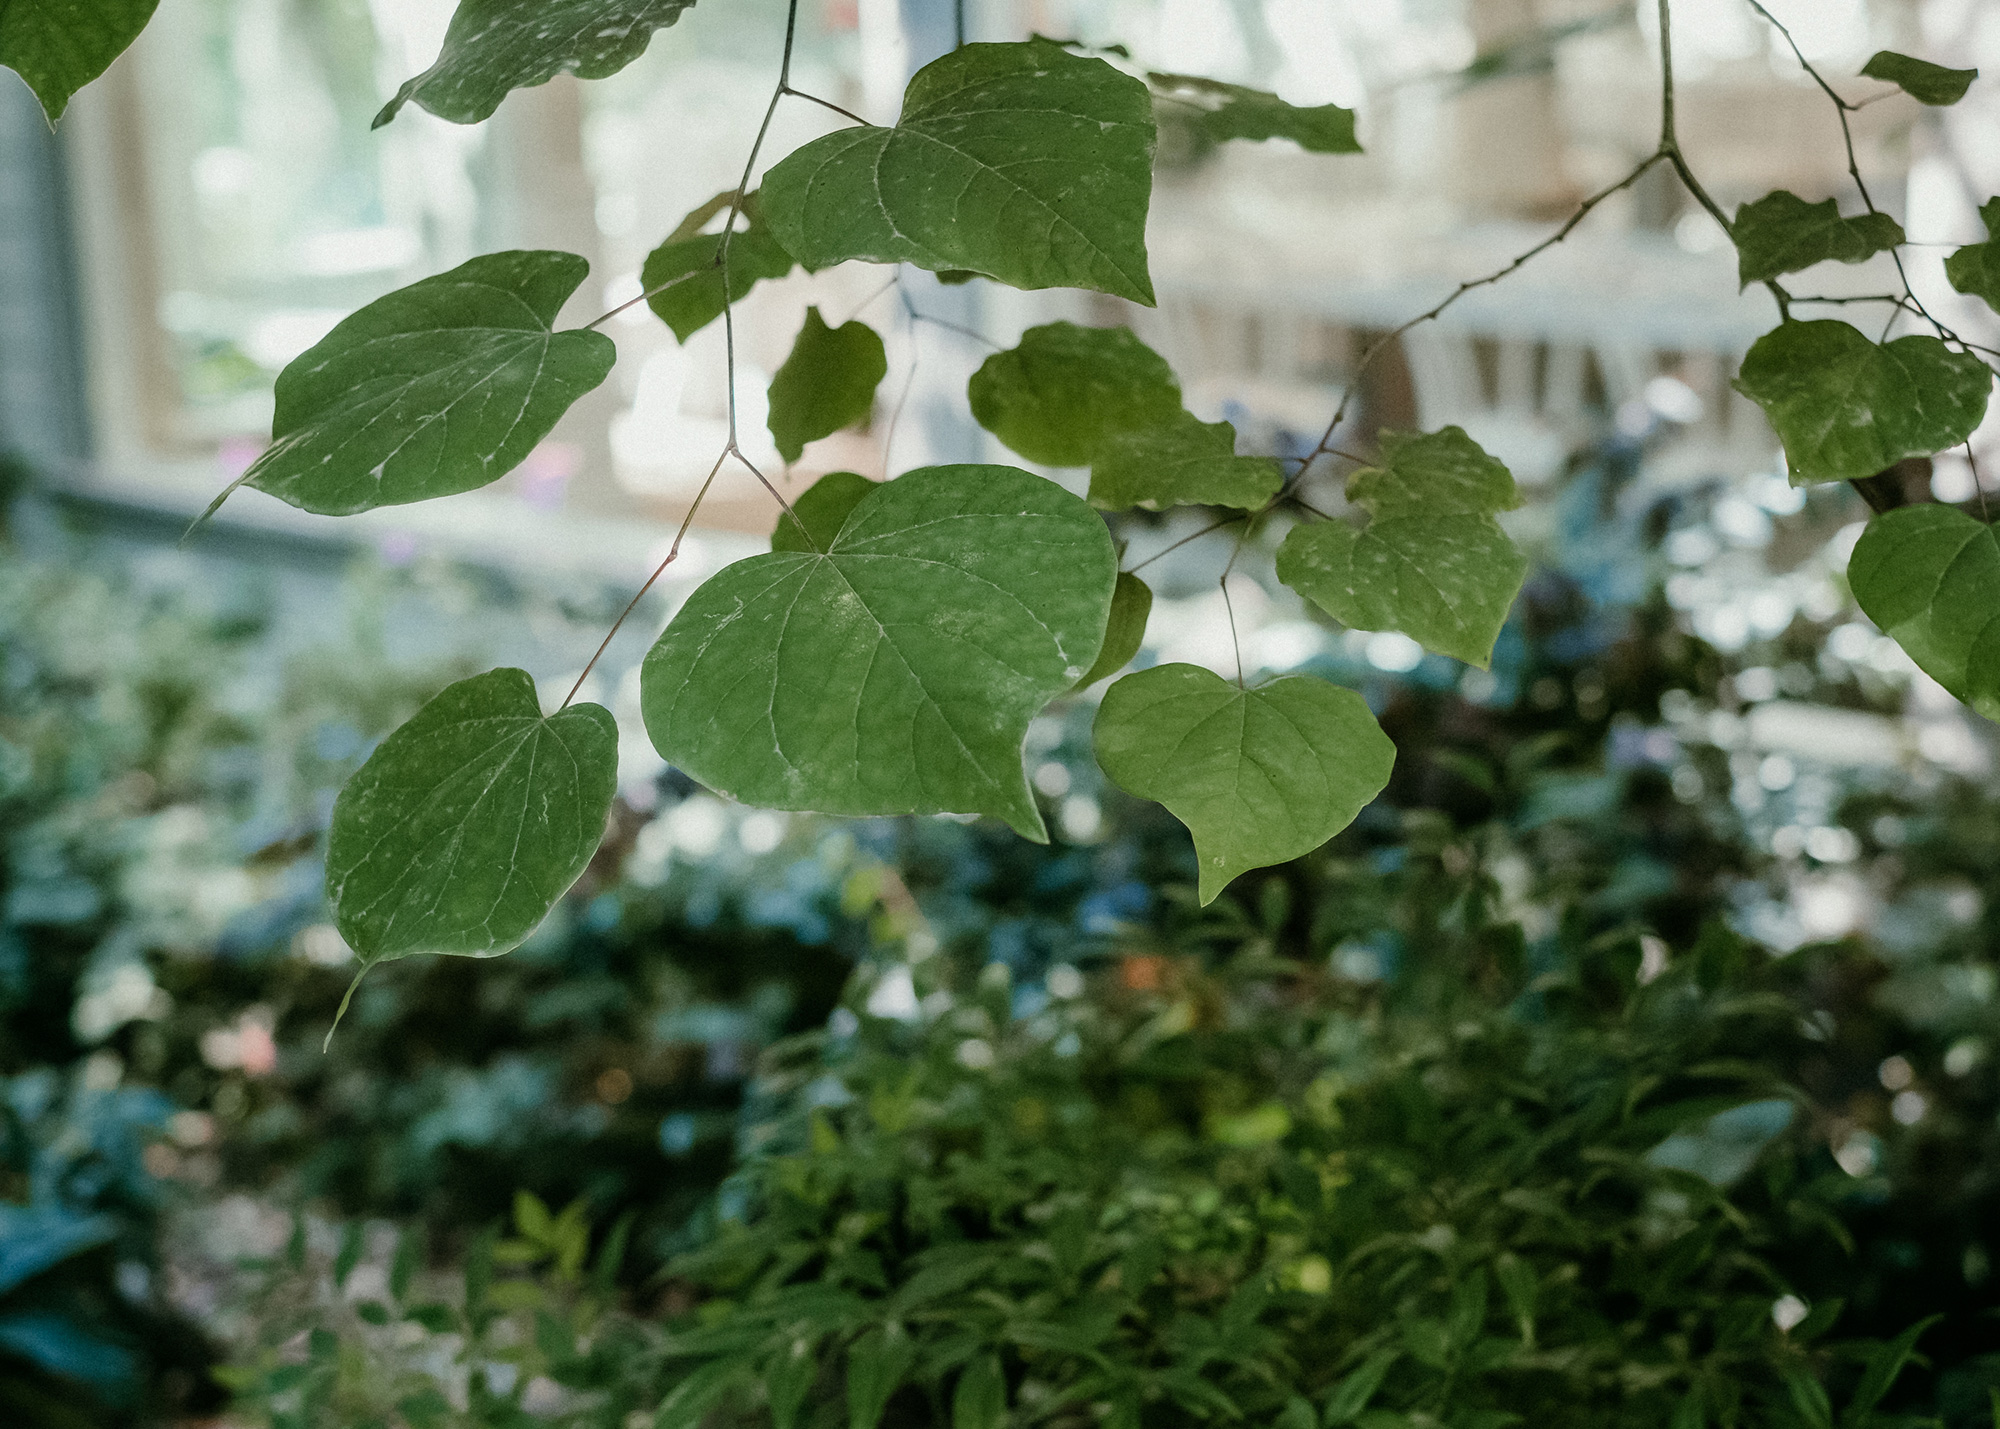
x=1882 y=1370
x=59 y=46
x=1782 y=233
x=1230 y=111
x=532 y=1218
x=1929 y=576
x=353 y=1244
x=1432 y=562
x=1064 y=389
x=468 y=823
x=437 y=388
x=689 y=1401
x=898 y=671
x=822 y=509
x=1920 y=79
x=1846 y=407
x=827 y=383
x=1021 y=162
x=980 y=1399
x=372 y=1312
x=1125 y=631
x=1975 y=268
x=876 y=1364
x=1258 y=776
x=493 y=46
x=694 y=302
x=787 y=1380
x=1182 y=462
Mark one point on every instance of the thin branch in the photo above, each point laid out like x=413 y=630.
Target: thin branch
x=776 y=495
x=1209 y=529
x=825 y=104
x=960 y=328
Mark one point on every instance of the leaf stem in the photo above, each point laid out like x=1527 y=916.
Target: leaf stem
x=1204 y=531
x=824 y=104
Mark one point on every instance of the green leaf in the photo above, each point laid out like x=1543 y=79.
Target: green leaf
x=468 y=823
x=689 y=256
x=1021 y=162
x=827 y=383
x=821 y=509
x=1259 y=776
x=897 y=672
x=788 y=1378
x=493 y=46
x=980 y=1399
x=59 y=46
x=687 y=1404
x=1929 y=576
x=436 y=388
x=876 y=1364
x=1846 y=407
x=1782 y=233
x=1975 y=268
x=1920 y=79
x=1064 y=389
x=1182 y=462
x=1125 y=631
x=1881 y=1372
x=1230 y=111
x=1432 y=562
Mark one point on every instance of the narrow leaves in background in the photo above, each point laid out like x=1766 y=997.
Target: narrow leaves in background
x=690 y=255
x=827 y=383
x=1058 y=394
x=1923 y=81
x=1182 y=462
x=1230 y=111
x=59 y=46
x=1782 y=233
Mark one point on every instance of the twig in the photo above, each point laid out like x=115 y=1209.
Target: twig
x=825 y=104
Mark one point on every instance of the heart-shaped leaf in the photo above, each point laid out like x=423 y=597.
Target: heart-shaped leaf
x=1181 y=462
x=689 y=256
x=1259 y=776
x=469 y=822
x=828 y=382
x=1063 y=389
x=820 y=511
x=1847 y=407
x=493 y=46
x=436 y=388
x=59 y=46
x=1929 y=576
x=897 y=672
x=1975 y=268
x=1432 y=562
x=1125 y=631
x=1923 y=81
x=1022 y=162
x=1230 y=111
x=1782 y=233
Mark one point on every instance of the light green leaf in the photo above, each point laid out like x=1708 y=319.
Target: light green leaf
x=1056 y=396
x=1181 y=462
x=436 y=388
x=59 y=46
x=979 y=1401
x=1929 y=576
x=1432 y=562
x=876 y=1364
x=1846 y=407
x=1021 y=162
x=469 y=822
x=1920 y=79
x=493 y=46
x=1131 y=607
x=693 y=302
x=1230 y=111
x=821 y=509
x=1259 y=776
x=1352 y=1394
x=1975 y=268
x=1782 y=233
x=897 y=672
x=827 y=383
x=788 y=1378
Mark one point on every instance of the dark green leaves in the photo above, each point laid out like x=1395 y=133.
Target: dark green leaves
x=1183 y=462
x=1782 y=233
x=827 y=383
x=1432 y=562
x=689 y=256
x=1847 y=407
x=1975 y=268
x=1930 y=577
x=493 y=46
x=1125 y=631
x=1920 y=79
x=1064 y=389
x=1258 y=776
x=1022 y=162
x=59 y=46
x=468 y=823
x=822 y=509
x=1230 y=111
x=897 y=672
x=437 y=388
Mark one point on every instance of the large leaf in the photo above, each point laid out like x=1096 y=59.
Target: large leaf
x=1259 y=776
x=1432 y=562
x=1975 y=268
x=897 y=672
x=820 y=511
x=1929 y=576
x=828 y=382
x=1782 y=233
x=1847 y=407
x=1923 y=81
x=1124 y=631
x=689 y=256
x=1181 y=462
x=469 y=822
x=493 y=46
x=59 y=46
x=1022 y=162
x=436 y=388
x=1230 y=111
x=1063 y=389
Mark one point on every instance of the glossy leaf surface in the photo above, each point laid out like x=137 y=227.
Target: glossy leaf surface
x=1232 y=111
x=1929 y=576
x=1259 y=776
x=1022 y=162
x=1181 y=462
x=689 y=256
x=1782 y=233
x=1923 y=81
x=59 y=46
x=1125 y=631
x=828 y=382
x=821 y=509
x=1975 y=268
x=897 y=672
x=1058 y=394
